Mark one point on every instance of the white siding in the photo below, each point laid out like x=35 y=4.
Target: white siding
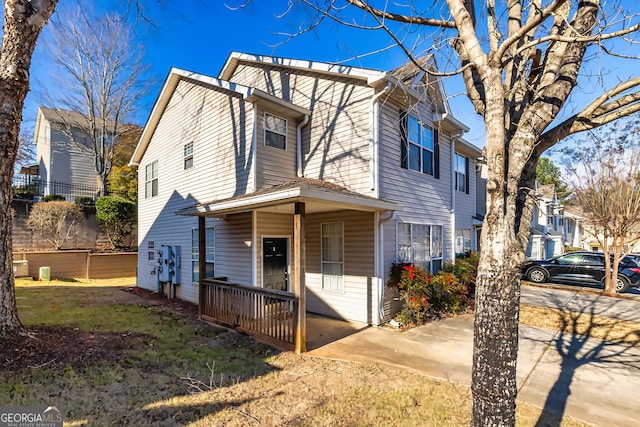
x=466 y=203
x=274 y=165
x=336 y=140
x=220 y=126
x=355 y=302
x=424 y=198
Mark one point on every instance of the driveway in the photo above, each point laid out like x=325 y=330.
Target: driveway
x=587 y=379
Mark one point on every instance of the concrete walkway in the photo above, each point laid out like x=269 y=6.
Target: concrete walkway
x=588 y=379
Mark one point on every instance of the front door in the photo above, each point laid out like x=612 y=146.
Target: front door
x=275 y=263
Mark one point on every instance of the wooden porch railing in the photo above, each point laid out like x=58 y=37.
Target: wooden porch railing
x=268 y=314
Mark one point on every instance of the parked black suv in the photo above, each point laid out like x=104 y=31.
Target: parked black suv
x=582 y=267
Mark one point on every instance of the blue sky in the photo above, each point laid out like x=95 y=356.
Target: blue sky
x=198 y=35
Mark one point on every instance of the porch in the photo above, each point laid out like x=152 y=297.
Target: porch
x=269 y=315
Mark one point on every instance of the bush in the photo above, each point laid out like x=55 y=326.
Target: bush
x=427 y=296
x=116 y=217
x=23 y=193
x=56 y=221
x=85 y=201
x=54 y=198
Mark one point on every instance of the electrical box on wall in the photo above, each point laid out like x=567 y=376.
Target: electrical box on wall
x=169 y=264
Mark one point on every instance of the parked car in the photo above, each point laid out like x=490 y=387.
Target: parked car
x=585 y=267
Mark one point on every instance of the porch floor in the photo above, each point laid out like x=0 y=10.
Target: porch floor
x=325 y=330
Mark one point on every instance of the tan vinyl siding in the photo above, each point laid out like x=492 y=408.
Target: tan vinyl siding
x=355 y=301
x=336 y=140
x=219 y=124
x=274 y=165
x=234 y=249
x=274 y=225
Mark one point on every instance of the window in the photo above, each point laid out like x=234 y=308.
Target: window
x=151 y=180
x=332 y=256
x=463 y=241
x=462 y=173
x=210 y=257
x=188 y=155
x=275 y=131
x=549 y=215
x=151 y=250
x=420 y=245
x=419 y=147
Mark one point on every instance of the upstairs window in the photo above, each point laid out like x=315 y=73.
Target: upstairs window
x=151 y=180
x=275 y=131
x=419 y=146
x=462 y=173
x=188 y=155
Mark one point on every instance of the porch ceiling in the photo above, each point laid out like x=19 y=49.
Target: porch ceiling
x=319 y=196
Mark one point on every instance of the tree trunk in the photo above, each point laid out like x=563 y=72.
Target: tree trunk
x=497 y=297
x=23 y=22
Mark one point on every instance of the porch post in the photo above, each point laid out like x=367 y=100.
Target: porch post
x=299 y=287
x=202 y=261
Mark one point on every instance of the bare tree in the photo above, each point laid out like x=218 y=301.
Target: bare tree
x=100 y=75
x=519 y=67
x=56 y=221
x=606 y=187
x=23 y=23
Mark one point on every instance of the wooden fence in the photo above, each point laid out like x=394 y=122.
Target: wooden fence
x=79 y=264
x=270 y=315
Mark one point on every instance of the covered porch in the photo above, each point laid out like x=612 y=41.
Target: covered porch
x=314 y=246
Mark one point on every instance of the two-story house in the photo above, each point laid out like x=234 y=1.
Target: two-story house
x=553 y=226
x=284 y=171
x=64 y=167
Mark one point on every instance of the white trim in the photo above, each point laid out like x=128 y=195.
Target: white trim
x=254 y=252
x=265 y=130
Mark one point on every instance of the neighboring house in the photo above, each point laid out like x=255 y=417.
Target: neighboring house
x=300 y=172
x=62 y=166
x=552 y=226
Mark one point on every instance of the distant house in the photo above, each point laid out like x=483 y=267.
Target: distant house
x=64 y=167
x=283 y=172
x=554 y=227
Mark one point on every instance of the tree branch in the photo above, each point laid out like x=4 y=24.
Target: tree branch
x=430 y=22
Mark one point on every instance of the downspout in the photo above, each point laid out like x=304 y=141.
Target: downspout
x=302 y=124
x=374 y=146
x=254 y=142
x=380 y=262
x=453 y=196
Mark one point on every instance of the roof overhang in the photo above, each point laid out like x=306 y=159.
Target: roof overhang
x=283 y=201
x=173 y=79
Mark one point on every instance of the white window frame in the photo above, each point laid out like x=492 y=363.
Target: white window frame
x=275 y=131
x=210 y=248
x=151 y=178
x=461 y=172
x=421 y=145
x=463 y=241
x=435 y=243
x=151 y=250
x=187 y=153
x=334 y=282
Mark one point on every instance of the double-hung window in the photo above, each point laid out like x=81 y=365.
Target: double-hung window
x=210 y=256
x=275 y=131
x=420 y=245
x=419 y=146
x=151 y=180
x=188 y=155
x=463 y=241
x=333 y=256
x=462 y=173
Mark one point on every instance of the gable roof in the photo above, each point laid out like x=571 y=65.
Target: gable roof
x=68 y=118
x=171 y=83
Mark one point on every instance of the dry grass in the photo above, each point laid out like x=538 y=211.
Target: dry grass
x=603 y=328
x=252 y=383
